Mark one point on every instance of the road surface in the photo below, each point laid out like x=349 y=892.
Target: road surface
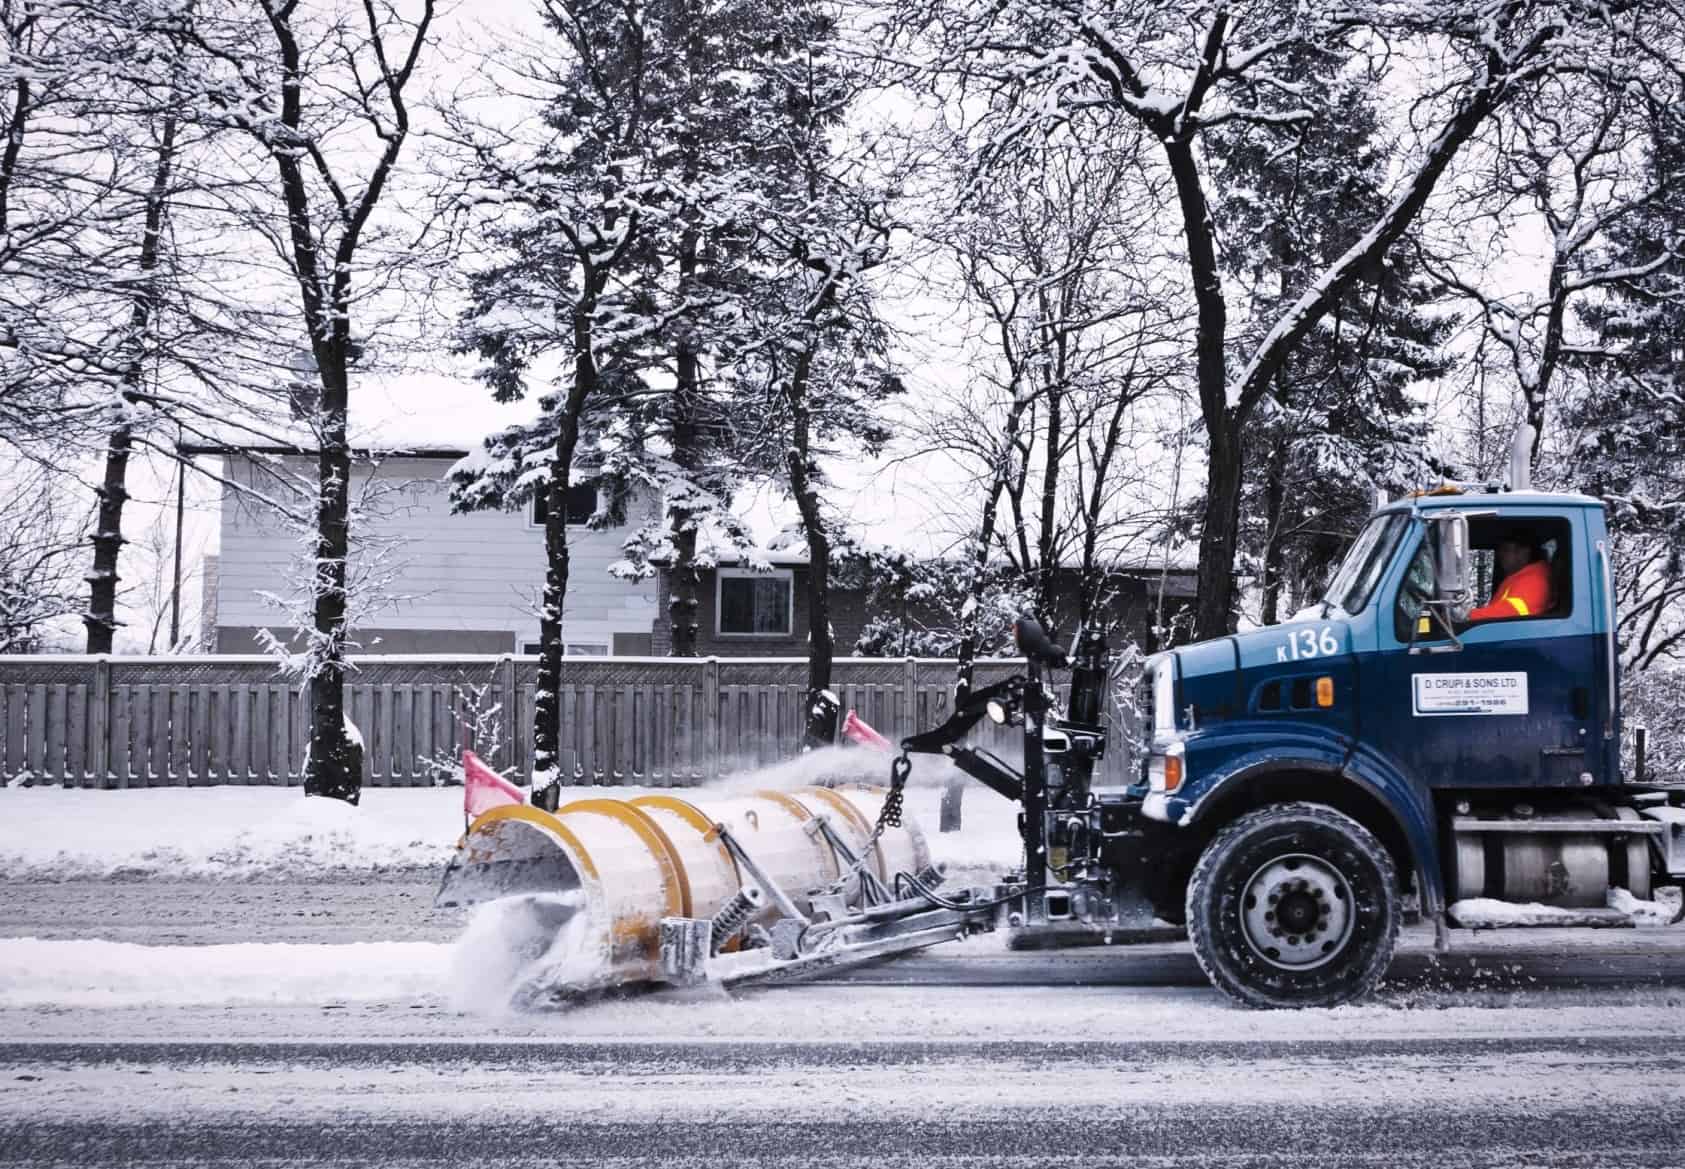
x=1437 y=1101
x=1532 y=1048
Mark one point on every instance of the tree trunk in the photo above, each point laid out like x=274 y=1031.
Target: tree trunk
x=1215 y=604
x=1046 y=554
x=101 y=618
x=1214 y=607
x=1275 y=473
x=335 y=767
x=1536 y=395
x=547 y=702
x=683 y=602
x=821 y=648
x=966 y=656
x=969 y=618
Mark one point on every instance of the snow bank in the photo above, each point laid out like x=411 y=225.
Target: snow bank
x=119 y=974
x=49 y=834
x=272 y=833
x=1664 y=910
x=1490 y=913
x=1487 y=913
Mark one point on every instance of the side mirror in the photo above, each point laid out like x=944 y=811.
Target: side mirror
x=1451 y=557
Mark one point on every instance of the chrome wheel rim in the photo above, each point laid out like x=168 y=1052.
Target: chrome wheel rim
x=1296 y=912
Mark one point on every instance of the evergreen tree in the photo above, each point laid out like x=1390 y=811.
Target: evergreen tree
x=728 y=131
x=568 y=240
x=1628 y=422
x=815 y=369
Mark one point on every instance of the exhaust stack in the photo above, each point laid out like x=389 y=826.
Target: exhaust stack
x=1521 y=459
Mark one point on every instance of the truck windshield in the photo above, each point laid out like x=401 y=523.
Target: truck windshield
x=1355 y=580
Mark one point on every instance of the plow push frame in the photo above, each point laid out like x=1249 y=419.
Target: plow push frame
x=1082 y=875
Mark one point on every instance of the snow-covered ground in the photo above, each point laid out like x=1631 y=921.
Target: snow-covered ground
x=209 y=836
x=221 y=833
x=1487 y=913
x=244 y=833
x=97 y=973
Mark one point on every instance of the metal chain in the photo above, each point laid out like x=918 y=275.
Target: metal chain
x=889 y=816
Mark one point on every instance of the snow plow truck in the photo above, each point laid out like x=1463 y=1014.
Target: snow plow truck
x=1303 y=788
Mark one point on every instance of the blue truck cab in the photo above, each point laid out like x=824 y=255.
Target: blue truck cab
x=1474 y=758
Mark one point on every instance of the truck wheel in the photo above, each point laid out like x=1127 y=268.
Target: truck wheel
x=1294 y=905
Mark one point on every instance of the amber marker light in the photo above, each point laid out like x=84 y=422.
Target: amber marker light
x=1172 y=772
x=1325 y=691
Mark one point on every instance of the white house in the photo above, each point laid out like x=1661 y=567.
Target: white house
x=443 y=583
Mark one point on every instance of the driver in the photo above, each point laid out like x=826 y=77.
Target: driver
x=1525 y=591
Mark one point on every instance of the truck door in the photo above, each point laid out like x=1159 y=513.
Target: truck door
x=1516 y=706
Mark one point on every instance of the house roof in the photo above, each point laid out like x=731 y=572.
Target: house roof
x=423 y=414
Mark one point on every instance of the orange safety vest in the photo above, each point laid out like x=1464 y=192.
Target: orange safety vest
x=1524 y=593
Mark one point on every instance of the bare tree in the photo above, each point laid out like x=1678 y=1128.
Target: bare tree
x=1071 y=330
x=56 y=180
x=42 y=533
x=1570 y=161
x=104 y=338
x=153 y=591
x=323 y=95
x=144 y=307
x=1177 y=72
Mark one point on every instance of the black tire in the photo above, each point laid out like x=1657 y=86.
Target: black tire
x=1329 y=879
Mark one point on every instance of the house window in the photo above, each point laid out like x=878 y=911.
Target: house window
x=571 y=649
x=753 y=604
x=582 y=502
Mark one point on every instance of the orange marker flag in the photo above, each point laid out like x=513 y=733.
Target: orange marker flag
x=484 y=789
x=856 y=730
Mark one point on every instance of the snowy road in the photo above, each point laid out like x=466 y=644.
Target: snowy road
x=321 y=1021
x=1432 y=1101
x=1518 y=1051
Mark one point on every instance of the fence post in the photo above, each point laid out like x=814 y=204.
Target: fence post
x=909 y=698
x=511 y=727
x=711 y=714
x=99 y=723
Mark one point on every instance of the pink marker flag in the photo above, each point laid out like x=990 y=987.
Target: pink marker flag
x=856 y=730
x=484 y=789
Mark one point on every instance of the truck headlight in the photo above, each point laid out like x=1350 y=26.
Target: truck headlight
x=1165 y=769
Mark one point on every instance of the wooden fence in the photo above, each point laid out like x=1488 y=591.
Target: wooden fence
x=123 y=722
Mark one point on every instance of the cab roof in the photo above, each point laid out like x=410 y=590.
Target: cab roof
x=1486 y=496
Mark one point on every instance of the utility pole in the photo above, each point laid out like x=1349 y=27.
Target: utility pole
x=175 y=582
